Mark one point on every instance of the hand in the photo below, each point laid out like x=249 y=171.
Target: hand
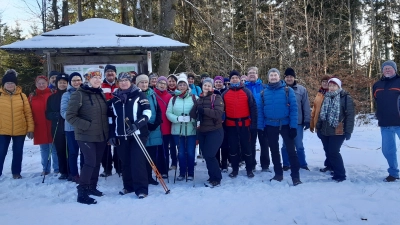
x=113 y=141
x=30 y=135
x=181 y=119
x=292 y=133
x=134 y=127
x=186 y=119
x=306 y=125
x=151 y=127
x=348 y=136
x=200 y=110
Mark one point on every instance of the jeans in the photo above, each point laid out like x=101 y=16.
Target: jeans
x=73 y=153
x=186 y=153
x=46 y=160
x=298 y=143
x=389 y=149
x=18 y=145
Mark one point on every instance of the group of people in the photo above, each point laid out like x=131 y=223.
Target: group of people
x=109 y=121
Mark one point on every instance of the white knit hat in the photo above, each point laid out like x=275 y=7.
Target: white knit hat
x=336 y=81
x=182 y=78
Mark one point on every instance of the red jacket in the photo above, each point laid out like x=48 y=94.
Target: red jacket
x=108 y=89
x=163 y=99
x=42 y=130
x=240 y=105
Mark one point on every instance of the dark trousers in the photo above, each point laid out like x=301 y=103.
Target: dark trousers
x=173 y=144
x=209 y=143
x=152 y=150
x=108 y=159
x=73 y=153
x=163 y=155
x=273 y=139
x=239 y=136
x=61 y=147
x=326 y=162
x=134 y=171
x=223 y=152
x=264 y=155
x=332 y=146
x=18 y=145
x=93 y=152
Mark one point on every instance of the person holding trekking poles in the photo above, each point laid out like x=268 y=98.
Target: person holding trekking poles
x=183 y=127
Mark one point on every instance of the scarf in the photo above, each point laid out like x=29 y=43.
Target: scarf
x=235 y=85
x=123 y=94
x=182 y=94
x=330 y=109
x=274 y=85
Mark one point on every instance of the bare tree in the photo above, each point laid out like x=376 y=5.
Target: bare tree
x=80 y=17
x=65 y=14
x=123 y=5
x=54 y=8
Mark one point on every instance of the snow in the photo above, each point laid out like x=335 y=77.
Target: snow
x=362 y=199
x=95 y=33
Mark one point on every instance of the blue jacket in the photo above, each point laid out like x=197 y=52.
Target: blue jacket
x=64 y=105
x=273 y=109
x=155 y=136
x=196 y=90
x=387 y=98
x=255 y=88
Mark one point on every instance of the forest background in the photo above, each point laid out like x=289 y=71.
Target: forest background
x=349 y=39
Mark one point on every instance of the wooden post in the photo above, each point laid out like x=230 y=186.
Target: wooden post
x=48 y=60
x=149 y=63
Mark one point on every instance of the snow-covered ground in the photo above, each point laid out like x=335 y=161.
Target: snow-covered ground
x=362 y=199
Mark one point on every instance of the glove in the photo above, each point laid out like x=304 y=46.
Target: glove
x=292 y=133
x=30 y=135
x=181 y=119
x=113 y=141
x=200 y=110
x=186 y=119
x=348 y=136
x=306 y=125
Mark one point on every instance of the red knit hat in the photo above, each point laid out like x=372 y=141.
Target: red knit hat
x=41 y=77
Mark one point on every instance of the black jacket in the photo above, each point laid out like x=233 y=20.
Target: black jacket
x=53 y=112
x=387 y=97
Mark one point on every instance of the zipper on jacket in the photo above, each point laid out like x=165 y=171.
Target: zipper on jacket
x=12 y=119
x=123 y=119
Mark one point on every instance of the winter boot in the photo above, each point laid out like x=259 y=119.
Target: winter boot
x=93 y=191
x=277 y=178
x=390 y=179
x=141 y=196
x=286 y=168
x=83 y=196
x=63 y=177
x=305 y=168
x=106 y=174
x=250 y=174
x=296 y=181
x=233 y=174
x=266 y=170
x=325 y=169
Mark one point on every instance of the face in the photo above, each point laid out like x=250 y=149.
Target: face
x=388 y=71
x=218 y=84
x=10 y=86
x=143 y=85
x=171 y=83
x=191 y=80
x=52 y=79
x=289 y=80
x=252 y=75
x=76 y=82
x=235 y=79
x=324 y=84
x=207 y=87
x=110 y=76
x=124 y=84
x=333 y=86
x=95 y=81
x=243 y=80
x=41 y=84
x=273 y=77
x=182 y=86
x=62 y=85
x=162 y=85
x=153 y=81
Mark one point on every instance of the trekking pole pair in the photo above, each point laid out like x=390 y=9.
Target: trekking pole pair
x=48 y=158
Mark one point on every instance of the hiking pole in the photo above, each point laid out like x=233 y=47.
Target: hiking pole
x=186 y=152
x=66 y=152
x=179 y=145
x=48 y=158
x=153 y=166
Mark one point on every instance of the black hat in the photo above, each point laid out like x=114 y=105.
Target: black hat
x=61 y=76
x=204 y=75
x=53 y=73
x=72 y=75
x=290 y=72
x=234 y=73
x=10 y=76
x=110 y=67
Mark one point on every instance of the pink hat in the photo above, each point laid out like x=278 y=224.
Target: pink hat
x=219 y=78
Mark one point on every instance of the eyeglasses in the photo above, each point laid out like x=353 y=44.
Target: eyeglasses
x=162 y=83
x=76 y=80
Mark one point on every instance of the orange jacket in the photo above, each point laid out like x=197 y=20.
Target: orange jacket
x=15 y=114
x=315 y=110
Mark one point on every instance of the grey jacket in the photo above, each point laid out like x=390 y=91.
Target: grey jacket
x=303 y=104
x=64 y=105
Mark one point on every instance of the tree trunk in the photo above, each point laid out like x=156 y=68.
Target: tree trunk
x=64 y=11
x=124 y=12
x=54 y=8
x=80 y=17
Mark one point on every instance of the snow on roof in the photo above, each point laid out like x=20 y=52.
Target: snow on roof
x=95 y=33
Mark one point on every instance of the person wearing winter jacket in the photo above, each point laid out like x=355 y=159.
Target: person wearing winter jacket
x=335 y=124
x=172 y=81
x=183 y=127
x=16 y=121
x=42 y=134
x=109 y=85
x=75 y=82
x=196 y=90
x=88 y=112
x=255 y=85
x=387 y=95
x=52 y=80
x=153 y=80
x=241 y=118
x=315 y=114
x=208 y=111
x=303 y=117
x=132 y=112
x=154 y=140
x=277 y=115
x=163 y=98
x=57 y=124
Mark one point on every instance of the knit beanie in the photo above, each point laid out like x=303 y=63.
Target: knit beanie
x=61 y=76
x=209 y=80
x=153 y=75
x=204 y=75
x=336 y=81
x=10 y=76
x=110 y=67
x=219 y=78
x=290 y=72
x=390 y=63
x=41 y=77
x=274 y=70
x=92 y=72
x=234 y=73
x=183 y=79
x=72 y=75
x=142 y=77
x=54 y=73
x=162 y=78
x=124 y=75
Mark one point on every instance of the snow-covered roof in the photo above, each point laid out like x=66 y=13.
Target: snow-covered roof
x=95 y=33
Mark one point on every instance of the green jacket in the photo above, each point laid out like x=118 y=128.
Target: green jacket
x=181 y=106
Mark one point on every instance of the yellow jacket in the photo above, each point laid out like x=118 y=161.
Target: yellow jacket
x=15 y=113
x=316 y=110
